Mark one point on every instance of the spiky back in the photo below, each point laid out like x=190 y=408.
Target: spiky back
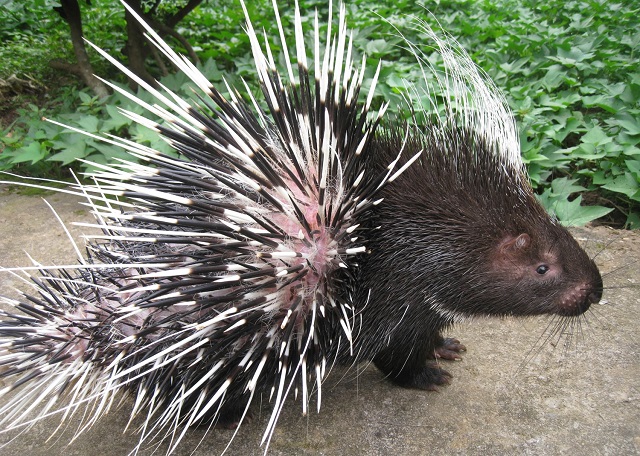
x=231 y=271
x=220 y=275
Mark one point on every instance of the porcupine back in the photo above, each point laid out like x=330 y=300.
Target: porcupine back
x=218 y=276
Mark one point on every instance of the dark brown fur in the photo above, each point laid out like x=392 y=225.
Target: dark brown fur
x=459 y=234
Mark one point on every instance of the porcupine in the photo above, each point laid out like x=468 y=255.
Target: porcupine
x=288 y=239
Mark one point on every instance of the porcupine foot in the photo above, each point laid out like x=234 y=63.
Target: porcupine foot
x=229 y=416
x=449 y=349
x=433 y=375
x=415 y=370
x=428 y=378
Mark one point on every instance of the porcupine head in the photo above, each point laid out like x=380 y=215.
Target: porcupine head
x=461 y=234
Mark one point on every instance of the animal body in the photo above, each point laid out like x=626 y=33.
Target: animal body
x=293 y=233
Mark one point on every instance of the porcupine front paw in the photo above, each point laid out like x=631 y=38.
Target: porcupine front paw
x=428 y=378
x=432 y=375
x=409 y=366
x=415 y=372
x=449 y=349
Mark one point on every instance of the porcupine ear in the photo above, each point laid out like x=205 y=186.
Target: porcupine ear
x=246 y=247
x=515 y=256
x=512 y=245
x=511 y=250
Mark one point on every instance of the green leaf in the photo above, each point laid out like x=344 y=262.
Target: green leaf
x=633 y=221
x=564 y=186
x=70 y=151
x=116 y=120
x=378 y=47
x=85 y=97
x=571 y=213
x=588 y=151
x=554 y=78
x=89 y=124
x=596 y=136
x=34 y=152
x=626 y=184
x=601 y=101
x=634 y=167
x=110 y=152
x=631 y=125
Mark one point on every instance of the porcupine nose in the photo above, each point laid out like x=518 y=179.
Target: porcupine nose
x=596 y=288
x=594 y=297
x=577 y=300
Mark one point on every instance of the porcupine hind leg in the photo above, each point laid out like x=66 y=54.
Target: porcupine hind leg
x=231 y=415
x=410 y=366
x=227 y=416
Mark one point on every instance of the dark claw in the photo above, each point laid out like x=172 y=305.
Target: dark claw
x=450 y=350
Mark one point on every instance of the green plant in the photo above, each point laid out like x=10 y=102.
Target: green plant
x=36 y=140
x=568 y=69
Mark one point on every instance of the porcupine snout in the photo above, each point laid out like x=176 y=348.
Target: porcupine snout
x=577 y=299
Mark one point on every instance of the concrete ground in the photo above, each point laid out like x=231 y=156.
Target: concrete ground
x=515 y=391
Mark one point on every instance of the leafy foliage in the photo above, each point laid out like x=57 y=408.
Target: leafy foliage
x=32 y=34
x=568 y=68
x=29 y=36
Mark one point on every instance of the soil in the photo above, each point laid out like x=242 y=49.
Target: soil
x=520 y=389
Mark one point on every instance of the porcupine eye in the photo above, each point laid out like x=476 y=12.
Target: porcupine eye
x=542 y=269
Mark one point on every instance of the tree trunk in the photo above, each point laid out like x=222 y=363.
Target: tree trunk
x=138 y=49
x=82 y=68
